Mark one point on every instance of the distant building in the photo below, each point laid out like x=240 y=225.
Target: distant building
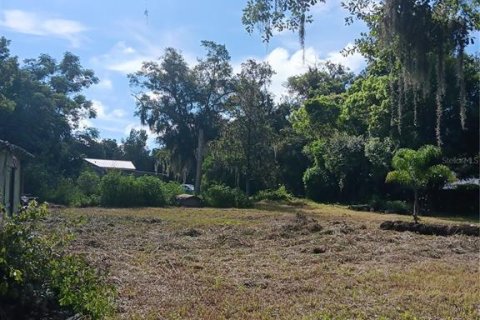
x=102 y=165
x=11 y=183
x=462 y=182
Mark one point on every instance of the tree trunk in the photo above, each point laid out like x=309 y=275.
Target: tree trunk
x=415 y=207
x=198 y=173
x=247 y=171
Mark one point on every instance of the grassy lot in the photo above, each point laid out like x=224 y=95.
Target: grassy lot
x=276 y=262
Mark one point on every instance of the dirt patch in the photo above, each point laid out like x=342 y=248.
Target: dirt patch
x=431 y=229
x=192 y=232
x=299 y=224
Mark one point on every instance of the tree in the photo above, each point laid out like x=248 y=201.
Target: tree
x=165 y=103
x=41 y=104
x=415 y=38
x=184 y=105
x=326 y=79
x=9 y=73
x=278 y=15
x=416 y=169
x=135 y=149
x=213 y=85
x=246 y=143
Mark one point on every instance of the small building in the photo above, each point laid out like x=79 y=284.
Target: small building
x=103 y=165
x=11 y=183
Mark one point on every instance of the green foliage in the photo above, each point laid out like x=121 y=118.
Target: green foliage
x=89 y=182
x=366 y=107
x=221 y=196
x=395 y=206
x=149 y=191
x=118 y=190
x=416 y=169
x=280 y=194
x=318 y=117
x=320 y=185
x=67 y=192
x=170 y=190
x=35 y=269
x=324 y=80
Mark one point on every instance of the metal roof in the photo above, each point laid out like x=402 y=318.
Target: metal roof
x=14 y=149
x=111 y=164
x=463 y=182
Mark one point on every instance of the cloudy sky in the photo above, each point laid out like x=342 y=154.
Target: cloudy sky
x=114 y=37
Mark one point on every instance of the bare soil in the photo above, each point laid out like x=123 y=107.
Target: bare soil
x=275 y=262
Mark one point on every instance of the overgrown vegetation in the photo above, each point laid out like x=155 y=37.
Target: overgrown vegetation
x=221 y=196
x=280 y=194
x=331 y=137
x=118 y=190
x=38 y=276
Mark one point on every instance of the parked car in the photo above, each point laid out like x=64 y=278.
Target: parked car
x=188 y=188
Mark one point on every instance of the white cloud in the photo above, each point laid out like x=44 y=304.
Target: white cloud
x=34 y=24
x=105 y=84
x=129 y=66
x=127 y=56
x=116 y=115
x=84 y=124
x=355 y=61
x=287 y=65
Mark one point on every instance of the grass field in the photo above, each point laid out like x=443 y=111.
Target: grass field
x=275 y=262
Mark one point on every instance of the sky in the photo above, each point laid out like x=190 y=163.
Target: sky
x=114 y=37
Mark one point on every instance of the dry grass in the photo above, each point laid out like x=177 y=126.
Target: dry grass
x=276 y=262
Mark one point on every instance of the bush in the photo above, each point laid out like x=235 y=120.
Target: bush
x=170 y=191
x=221 y=196
x=149 y=191
x=89 y=183
x=281 y=194
x=319 y=185
x=119 y=190
x=35 y=271
x=396 y=206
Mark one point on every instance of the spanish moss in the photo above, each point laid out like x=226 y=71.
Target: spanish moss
x=461 y=88
x=440 y=93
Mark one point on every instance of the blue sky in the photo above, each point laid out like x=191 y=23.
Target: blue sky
x=114 y=37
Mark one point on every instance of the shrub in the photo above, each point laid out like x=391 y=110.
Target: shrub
x=221 y=196
x=170 y=190
x=396 y=206
x=89 y=182
x=281 y=194
x=149 y=191
x=68 y=193
x=119 y=190
x=36 y=271
x=319 y=185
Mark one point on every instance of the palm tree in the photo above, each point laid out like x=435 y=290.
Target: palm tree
x=415 y=169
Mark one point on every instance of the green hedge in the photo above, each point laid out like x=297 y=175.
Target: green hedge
x=119 y=190
x=221 y=196
x=281 y=194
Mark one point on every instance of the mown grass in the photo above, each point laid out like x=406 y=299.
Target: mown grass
x=276 y=261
